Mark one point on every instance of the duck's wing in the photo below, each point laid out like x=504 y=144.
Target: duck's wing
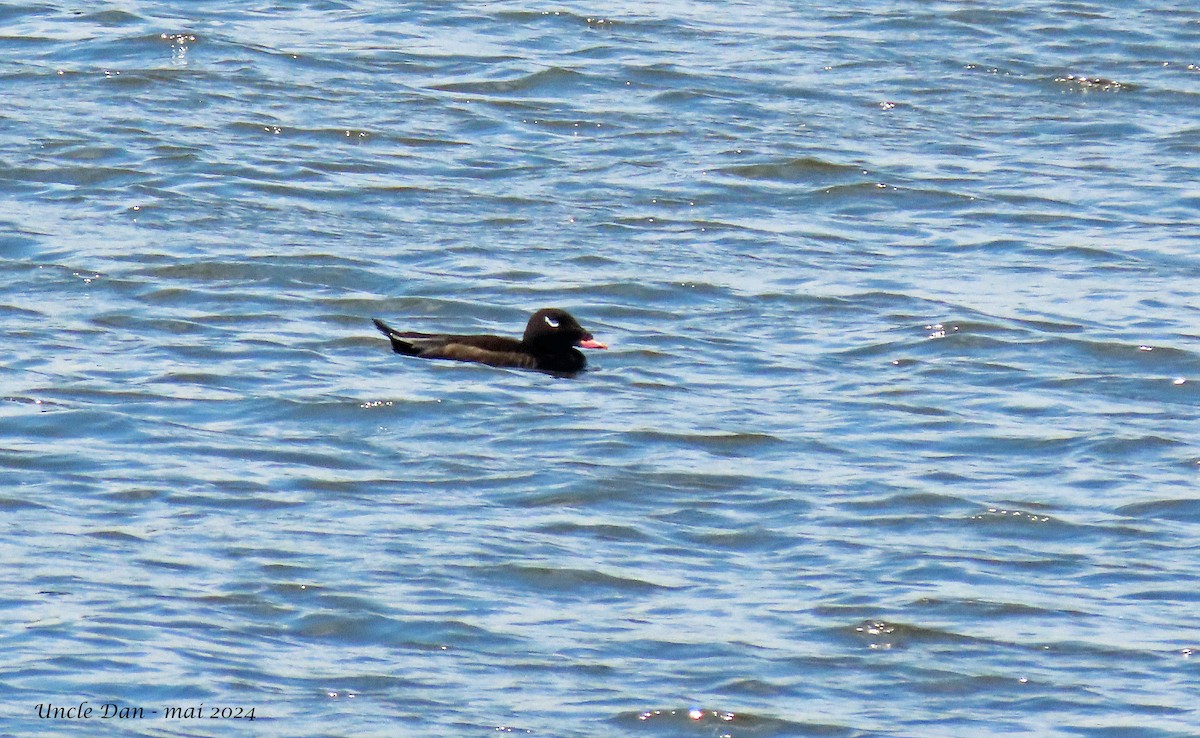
x=491 y=350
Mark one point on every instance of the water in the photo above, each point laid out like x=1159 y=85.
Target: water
x=895 y=437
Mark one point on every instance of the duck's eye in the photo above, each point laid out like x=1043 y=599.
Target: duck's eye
x=550 y=321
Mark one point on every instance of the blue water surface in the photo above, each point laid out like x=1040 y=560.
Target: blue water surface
x=896 y=434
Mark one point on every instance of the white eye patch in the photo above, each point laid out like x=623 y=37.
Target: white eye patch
x=550 y=321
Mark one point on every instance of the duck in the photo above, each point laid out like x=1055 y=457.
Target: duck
x=551 y=343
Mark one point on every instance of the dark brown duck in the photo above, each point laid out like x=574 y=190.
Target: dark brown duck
x=551 y=344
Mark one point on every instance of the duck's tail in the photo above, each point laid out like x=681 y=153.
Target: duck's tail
x=399 y=345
